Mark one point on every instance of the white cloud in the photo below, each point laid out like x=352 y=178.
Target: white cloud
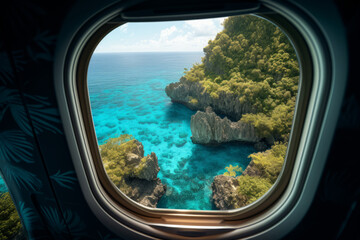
x=205 y=27
x=124 y=28
x=165 y=33
x=221 y=20
x=192 y=35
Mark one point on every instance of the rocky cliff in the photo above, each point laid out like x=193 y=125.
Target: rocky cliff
x=147 y=193
x=141 y=183
x=194 y=96
x=209 y=128
x=225 y=195
x=145 y=168
x=225 y=189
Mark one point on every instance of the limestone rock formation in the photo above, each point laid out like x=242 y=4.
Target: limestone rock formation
x=225 y=189
x=194 y=96
x=147 y=193
x=143 y=185
x=225 y=194
x=252 y=170
x=209 y=128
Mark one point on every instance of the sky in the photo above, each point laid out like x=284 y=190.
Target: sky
x=172 y=36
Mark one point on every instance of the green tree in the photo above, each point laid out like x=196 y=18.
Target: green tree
x=269 y=163
x=233 y=171
x=254 y=60
x=122 y=159
x=266 y=166
x=113 y=154
x=252 y=188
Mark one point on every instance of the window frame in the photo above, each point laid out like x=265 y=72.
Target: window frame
x=209 y=221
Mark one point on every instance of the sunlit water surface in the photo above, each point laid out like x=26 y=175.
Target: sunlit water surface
x=127 y=94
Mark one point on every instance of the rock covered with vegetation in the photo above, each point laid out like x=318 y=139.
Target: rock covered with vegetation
x=209 y=128
x=249 y=72
x=195 y=97
x=231 y=191
x=132 y=172
x=225 y=192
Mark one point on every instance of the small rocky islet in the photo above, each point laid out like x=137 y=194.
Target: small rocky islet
x=132 y=172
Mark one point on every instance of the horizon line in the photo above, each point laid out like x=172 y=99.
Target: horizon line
x=153 y=52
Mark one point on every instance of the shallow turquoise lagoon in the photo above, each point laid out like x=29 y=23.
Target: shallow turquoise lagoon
x=127 y=94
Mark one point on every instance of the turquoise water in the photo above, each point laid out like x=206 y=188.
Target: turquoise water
x=3 y=187
x=127 y=94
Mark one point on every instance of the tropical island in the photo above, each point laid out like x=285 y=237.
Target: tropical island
x=249 y=75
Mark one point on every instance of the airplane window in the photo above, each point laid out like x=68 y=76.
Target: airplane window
x=194 y=114
x=10 y=224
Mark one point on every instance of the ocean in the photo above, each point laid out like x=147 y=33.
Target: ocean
x=127 y=95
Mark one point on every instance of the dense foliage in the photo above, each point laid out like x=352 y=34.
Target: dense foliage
x=114 y=156
x=262 y=173
x=252 y=188
x=10 y=223
x=252 y=59
x=269 y=163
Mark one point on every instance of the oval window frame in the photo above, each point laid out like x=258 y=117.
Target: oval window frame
x=184 y=219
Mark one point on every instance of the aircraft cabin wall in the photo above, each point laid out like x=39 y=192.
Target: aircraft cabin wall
x=35 y=159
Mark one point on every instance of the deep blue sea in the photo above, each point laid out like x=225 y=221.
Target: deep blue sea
x=127 y=94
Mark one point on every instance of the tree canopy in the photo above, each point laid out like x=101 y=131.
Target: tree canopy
x=254 y=60
x=265 y=169
x=113 y=154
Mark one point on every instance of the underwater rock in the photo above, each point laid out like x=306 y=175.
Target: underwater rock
x=183 y=135
x=156 y=141
x=168 y=138
x=201 y=176
x=110 y=125
x=147 y=193
x=224 y=193
x=142 y=133
x=169 y=191
x=209 y=128
x=180 y=143
x=194 y=96
x=182 y=162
